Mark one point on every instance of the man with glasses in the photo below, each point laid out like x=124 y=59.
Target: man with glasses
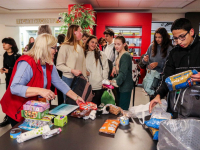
x=185 y=56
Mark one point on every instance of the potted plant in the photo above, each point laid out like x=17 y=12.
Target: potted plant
x=79 y=15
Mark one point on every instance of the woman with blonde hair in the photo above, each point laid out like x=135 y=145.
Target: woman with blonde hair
x=32 y=76
x=71 y=60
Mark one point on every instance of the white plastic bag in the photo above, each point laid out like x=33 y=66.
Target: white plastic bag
x=140 y=112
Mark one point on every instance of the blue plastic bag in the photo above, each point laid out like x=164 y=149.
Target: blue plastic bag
x=154 y=123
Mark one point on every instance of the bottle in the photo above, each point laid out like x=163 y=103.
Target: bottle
x=51 y=133
x=32 y=134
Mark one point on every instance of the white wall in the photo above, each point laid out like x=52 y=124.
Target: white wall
x=2 y=35
x=166 y=17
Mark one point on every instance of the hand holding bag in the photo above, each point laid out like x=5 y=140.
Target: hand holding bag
x=140 y=112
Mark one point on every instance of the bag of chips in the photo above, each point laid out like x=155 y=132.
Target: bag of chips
x=110 y=126
x=181 y=80
x=87 y=106
x=78 y=113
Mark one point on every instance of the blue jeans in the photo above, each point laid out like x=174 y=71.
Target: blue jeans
x=68 y=81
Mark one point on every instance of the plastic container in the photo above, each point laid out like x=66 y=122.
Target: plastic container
x=32 y=134
x=179 y=134
x=51 y=133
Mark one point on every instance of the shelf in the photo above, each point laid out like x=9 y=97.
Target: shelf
x=138 y=37
x=134 y=46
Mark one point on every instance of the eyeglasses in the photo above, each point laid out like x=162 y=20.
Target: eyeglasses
x=181 y=37
x=55 y=47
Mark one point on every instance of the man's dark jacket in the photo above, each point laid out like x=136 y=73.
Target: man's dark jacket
x=179 y=60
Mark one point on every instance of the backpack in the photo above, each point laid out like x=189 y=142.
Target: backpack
x=82 y=88
x=110 y=63
x=186 y=103
x=135 y=71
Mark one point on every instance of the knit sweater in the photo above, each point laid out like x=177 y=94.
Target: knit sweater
x=158 y=58
x=96 y=73
x=69 y=59
x=124 y=79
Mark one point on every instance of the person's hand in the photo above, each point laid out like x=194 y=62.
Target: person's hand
x=1 y=70
x=196 y=77
x=79 y=100
x=153 y=65
x=76 y=72
x=87 y=73
x=154 y=102
x=146 y=58
x=5 y=70
x=113 y=72
x=48 y=94
x=104 y=87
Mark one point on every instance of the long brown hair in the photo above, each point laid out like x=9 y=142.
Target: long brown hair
x=70 y=39
x=166 y=42
x=120 y=37
x=96 y=50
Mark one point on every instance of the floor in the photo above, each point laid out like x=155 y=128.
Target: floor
x=140 y=98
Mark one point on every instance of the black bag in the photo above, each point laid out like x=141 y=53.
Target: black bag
x=187 y=102
x=82 y=88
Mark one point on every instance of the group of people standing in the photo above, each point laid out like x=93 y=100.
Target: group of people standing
x=47 y=66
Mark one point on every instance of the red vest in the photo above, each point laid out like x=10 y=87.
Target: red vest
x=13 y=104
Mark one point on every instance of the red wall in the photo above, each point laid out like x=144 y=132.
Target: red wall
x=127 y=20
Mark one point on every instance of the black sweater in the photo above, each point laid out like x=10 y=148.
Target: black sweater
x=179 y=60
x=8 y=63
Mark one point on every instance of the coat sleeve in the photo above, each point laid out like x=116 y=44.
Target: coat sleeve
x=123 y=69
x=169 y=70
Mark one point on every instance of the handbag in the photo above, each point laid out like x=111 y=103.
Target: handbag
x=107 y=97
x=151 y=81
x=187 y=103
x=140 y=112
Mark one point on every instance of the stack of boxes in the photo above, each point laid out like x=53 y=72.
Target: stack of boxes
x=35 y=113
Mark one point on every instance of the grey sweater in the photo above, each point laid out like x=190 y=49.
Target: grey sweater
x=158 y=58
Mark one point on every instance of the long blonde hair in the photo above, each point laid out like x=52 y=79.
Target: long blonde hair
x=70 y=39
x=41 y=49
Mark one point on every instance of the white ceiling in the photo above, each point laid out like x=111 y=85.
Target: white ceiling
x=161 y=6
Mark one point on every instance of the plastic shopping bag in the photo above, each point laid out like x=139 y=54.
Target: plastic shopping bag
x=107 y=98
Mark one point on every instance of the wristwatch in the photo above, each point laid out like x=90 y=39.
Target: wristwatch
x=77 y=98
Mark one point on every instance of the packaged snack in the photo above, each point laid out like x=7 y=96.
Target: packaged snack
x=78 y=113
x=38 y=106
x=87 y=106
x=154 y=123
x=60 y=120
x=181 y=80
x=114 y=109
x=33 y=114
x=109 y=127
x=154 y=132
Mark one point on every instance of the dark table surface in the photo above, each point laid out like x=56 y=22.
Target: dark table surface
x=79 y=134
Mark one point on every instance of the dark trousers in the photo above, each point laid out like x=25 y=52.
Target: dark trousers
x=12 y=121
x=133 y=93
x=97 y=96
x=124 y=99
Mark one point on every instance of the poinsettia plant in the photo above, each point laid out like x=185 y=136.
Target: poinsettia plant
x=79 y=15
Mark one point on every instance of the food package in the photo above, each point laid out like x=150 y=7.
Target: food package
x=181 y=80
x=34 y=114
x=154 y=123
x=114 y=109
x=38 y=106
x=78 y=113
x=110 y=126
x=87 y=106
x=154 y=132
